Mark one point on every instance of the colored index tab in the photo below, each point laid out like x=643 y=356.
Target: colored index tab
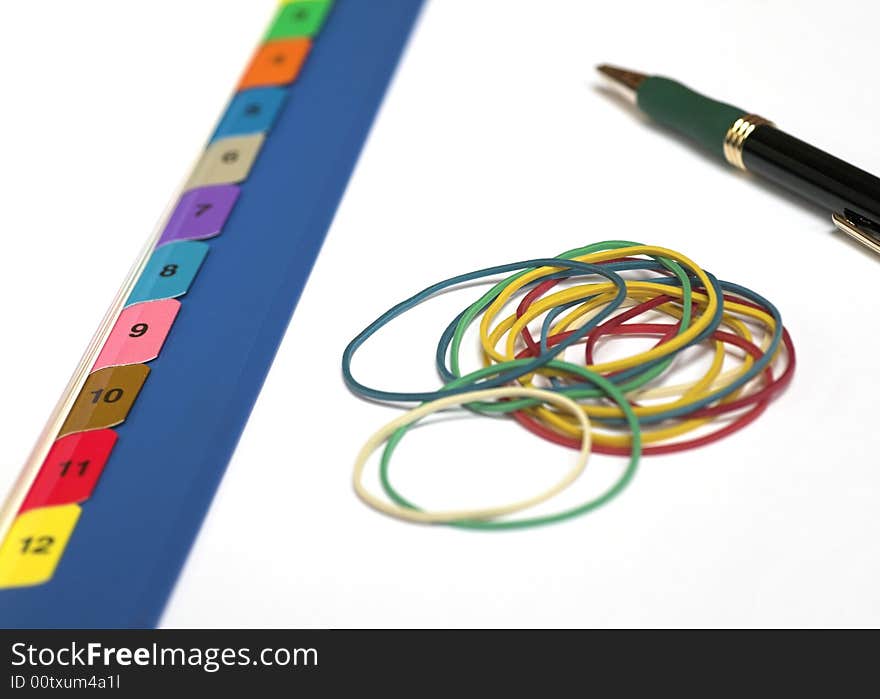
x=35 y=544
x=106 y=398
x=200 y=213
x=139 y=333
x=169 y=271
x=302 y=18
x=226 y=161
x=71 y=469
x=276 y=63
x=251 y=111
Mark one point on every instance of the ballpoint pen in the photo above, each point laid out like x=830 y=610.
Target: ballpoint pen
x=753 y=143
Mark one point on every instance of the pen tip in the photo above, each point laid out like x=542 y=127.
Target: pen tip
x=628 y=78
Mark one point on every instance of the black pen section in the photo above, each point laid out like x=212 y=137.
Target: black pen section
x=814 y=174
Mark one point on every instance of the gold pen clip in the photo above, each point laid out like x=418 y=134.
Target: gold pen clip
x=855 y=231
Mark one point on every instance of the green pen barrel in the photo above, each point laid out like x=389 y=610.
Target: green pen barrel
x=690 y=113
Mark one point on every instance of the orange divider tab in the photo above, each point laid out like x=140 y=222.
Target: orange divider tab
x=276 y=63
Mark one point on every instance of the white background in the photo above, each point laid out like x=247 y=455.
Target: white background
x=494 y=144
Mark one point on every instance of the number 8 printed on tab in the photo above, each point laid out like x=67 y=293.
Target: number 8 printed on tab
x=169 y=272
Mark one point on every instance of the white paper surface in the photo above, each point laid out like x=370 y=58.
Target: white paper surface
x=495 y=143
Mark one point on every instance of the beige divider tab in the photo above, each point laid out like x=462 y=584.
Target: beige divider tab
x=226 y=161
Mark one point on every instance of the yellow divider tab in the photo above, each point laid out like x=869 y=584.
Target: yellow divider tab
x=35 y=544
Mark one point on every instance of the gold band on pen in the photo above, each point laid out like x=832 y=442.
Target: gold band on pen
x=736 y=137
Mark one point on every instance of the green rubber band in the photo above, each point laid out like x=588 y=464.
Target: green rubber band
x=636 y=382
x=606 y=386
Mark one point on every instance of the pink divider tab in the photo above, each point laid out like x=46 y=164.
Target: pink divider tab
x=139 y=333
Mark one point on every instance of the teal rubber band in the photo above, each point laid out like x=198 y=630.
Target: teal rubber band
x=471 y=313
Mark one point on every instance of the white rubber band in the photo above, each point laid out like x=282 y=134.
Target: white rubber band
x=445 y=516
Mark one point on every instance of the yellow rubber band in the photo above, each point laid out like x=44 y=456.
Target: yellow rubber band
x=663 y=350
x=602 y=292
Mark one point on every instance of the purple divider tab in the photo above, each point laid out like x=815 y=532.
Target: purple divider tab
x=200 y=213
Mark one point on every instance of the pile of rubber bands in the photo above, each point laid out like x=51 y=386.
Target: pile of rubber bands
x=571 y=303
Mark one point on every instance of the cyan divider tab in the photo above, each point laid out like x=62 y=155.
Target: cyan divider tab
x=169 y=272
x=251 y=111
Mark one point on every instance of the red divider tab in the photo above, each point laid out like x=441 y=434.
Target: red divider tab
x=71 y=470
